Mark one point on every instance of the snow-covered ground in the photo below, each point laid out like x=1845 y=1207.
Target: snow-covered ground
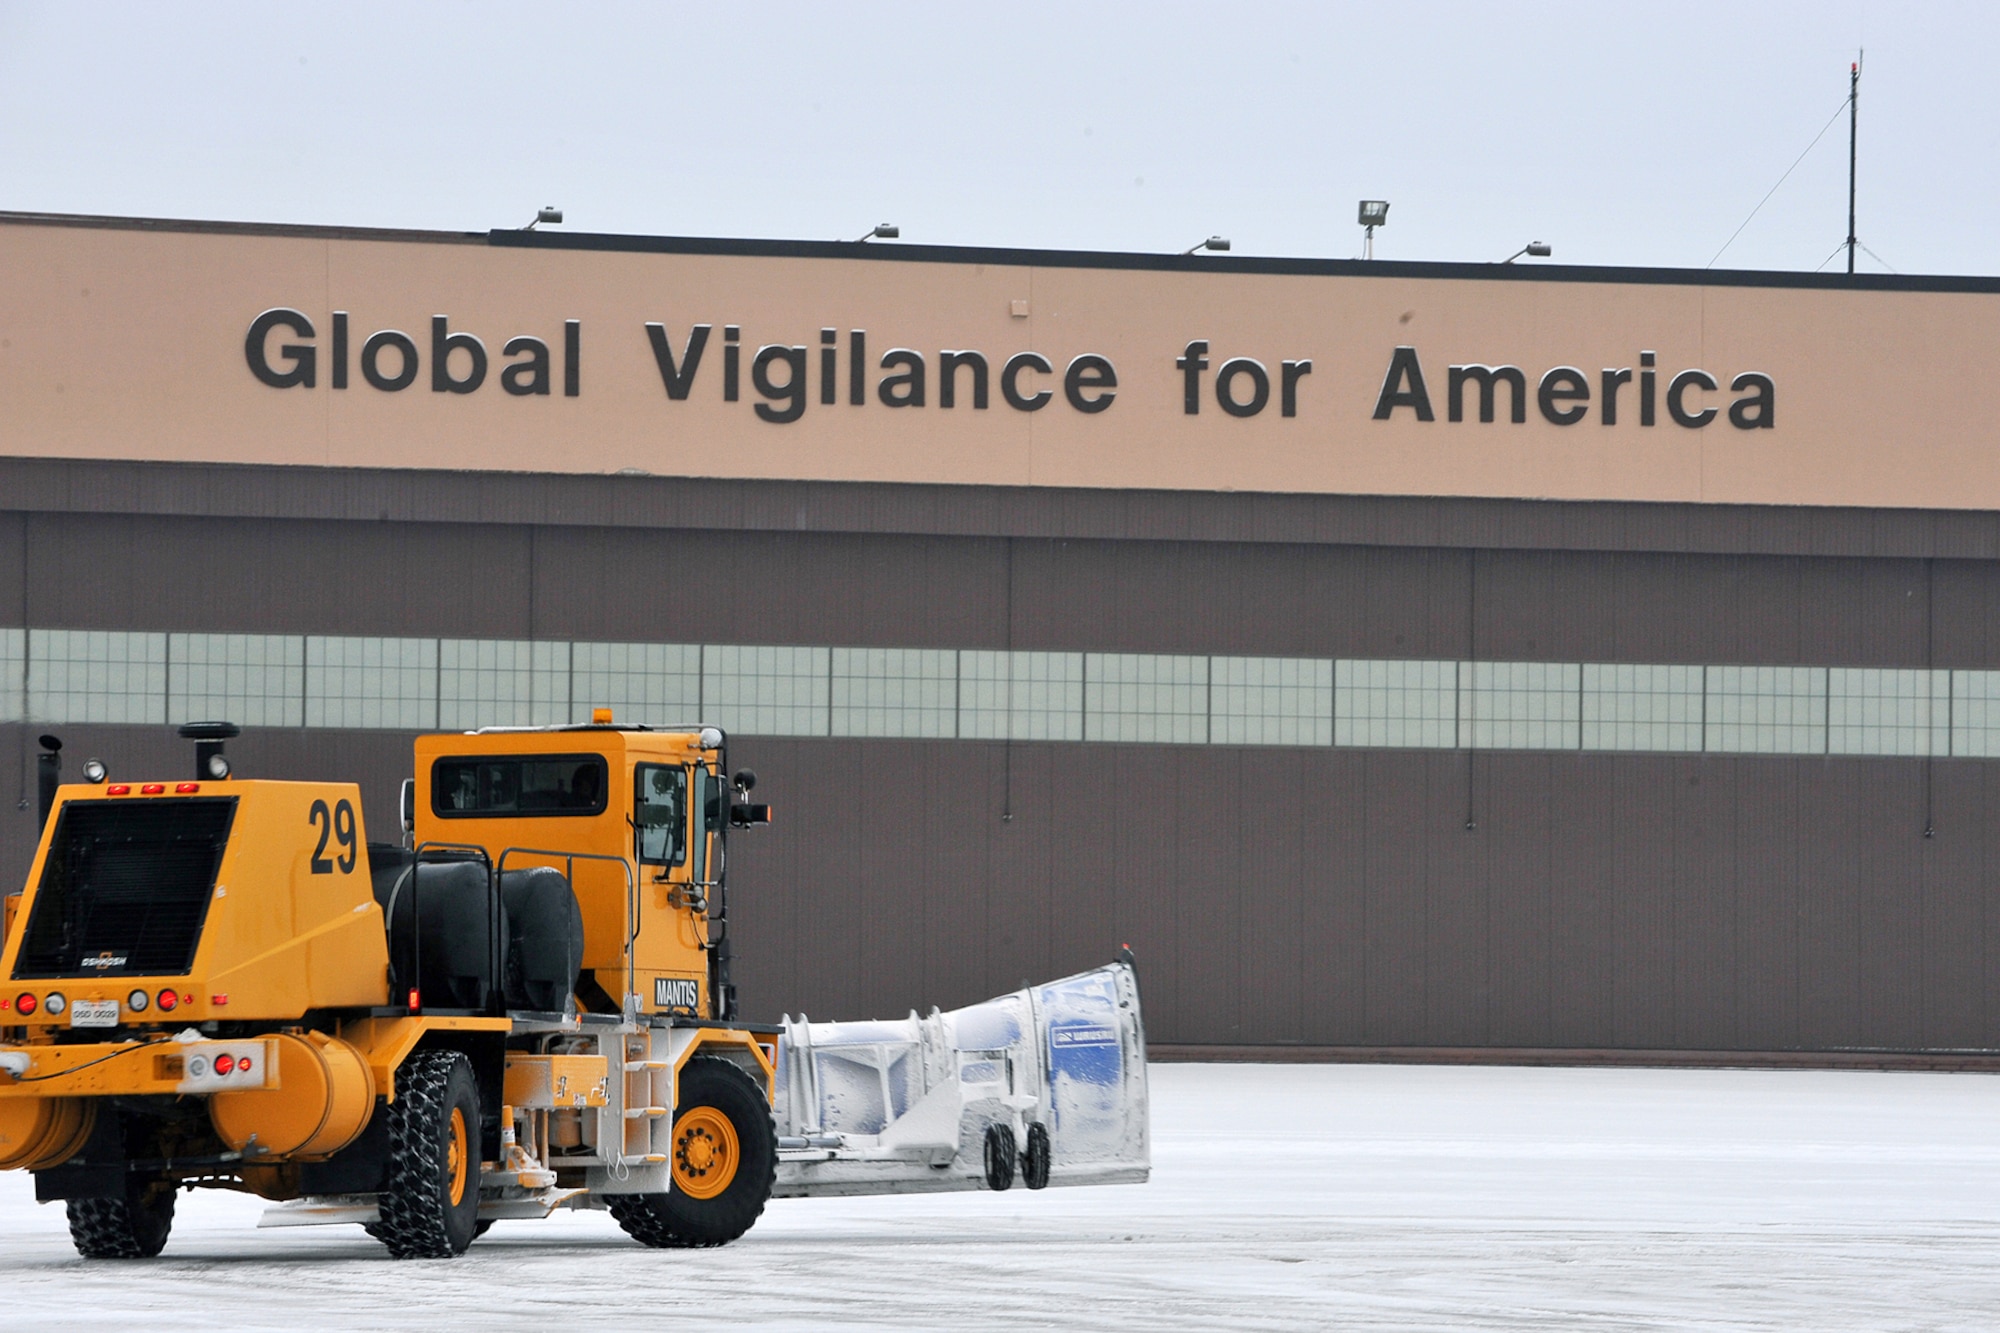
x=1283 y=1197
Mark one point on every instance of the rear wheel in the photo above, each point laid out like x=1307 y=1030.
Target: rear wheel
x=429 y=1205
x=724 y=1160
x=134 y=1227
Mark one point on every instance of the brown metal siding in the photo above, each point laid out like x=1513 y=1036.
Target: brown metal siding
x=1297 y=896
x=517 y=499
x=1334 y=897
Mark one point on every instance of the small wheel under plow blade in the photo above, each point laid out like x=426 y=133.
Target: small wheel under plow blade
x=724 y=1160
x=1000 y=1157
x=1035 y=1158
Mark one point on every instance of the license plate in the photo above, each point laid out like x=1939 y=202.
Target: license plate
x=93 y=1014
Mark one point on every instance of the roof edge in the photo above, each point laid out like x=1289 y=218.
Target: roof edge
x=305 y=231
x=739 y=247
x=900 y=252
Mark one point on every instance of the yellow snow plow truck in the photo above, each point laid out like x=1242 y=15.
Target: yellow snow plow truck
x=523 y=1004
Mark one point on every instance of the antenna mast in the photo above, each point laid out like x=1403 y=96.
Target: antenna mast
x=1853 y=131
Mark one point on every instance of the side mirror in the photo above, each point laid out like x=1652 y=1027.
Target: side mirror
x=744 y=816
x=744 y=781
x=406 y=805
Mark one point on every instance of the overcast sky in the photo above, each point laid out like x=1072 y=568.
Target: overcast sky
x=1619 y=133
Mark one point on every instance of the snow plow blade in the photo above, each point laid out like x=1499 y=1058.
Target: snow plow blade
x=1044 y=1086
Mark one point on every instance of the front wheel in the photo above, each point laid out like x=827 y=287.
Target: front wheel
x=723 y=1162
x=429 y=1206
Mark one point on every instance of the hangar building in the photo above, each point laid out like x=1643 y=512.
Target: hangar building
x=1394 y=655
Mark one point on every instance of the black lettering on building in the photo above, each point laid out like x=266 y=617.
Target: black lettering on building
x=1242 y=367
x=1403 y=386
x=300 y=358
x=1010 y=375
x=948 y=366
x=1288 y=393
x=1607 y=412
x=1089 y=374
x=1648 y=388
x=371 y=360
x=1564 y=384
x=1681 y=383
x=907 y=388
x=791 y=394
x=678 y=377
x=829 y=367
x=1191 y=363
x=1486 y=377
x=1761 y=400
x=529 y=375
x=443 y=344
x=572 y=357
x=732 y=363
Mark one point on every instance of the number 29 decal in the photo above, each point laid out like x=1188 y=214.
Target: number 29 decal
x=336 y=824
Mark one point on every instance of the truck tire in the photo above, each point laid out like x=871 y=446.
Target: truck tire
x=134 y=1227
x=724 y=1160
x=429 y=1203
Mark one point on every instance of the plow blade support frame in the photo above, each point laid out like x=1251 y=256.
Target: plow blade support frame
x=905 y=1106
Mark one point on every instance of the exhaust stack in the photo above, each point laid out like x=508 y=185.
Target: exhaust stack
x=210 y=765
x=48 y=772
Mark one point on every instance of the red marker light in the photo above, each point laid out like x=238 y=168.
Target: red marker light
x=169 y=1001
x=413 y=998
x=187 y=786
x=24 y=1003
x=218 y=1000
x=152 y=789
x=224 y=1063
x=243 y=1065
x=118 y=789
x=5 y=1005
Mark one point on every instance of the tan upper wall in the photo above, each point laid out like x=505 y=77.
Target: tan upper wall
x=129 y=342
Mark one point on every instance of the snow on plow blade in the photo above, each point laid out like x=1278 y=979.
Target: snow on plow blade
x=1047 y=1085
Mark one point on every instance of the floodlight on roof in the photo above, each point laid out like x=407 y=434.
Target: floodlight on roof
x=1371 y=213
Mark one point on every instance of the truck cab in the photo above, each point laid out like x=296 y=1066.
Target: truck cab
x=635 y=820
x=523 y=1004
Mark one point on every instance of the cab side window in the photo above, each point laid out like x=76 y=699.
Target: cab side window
x=708 y=810
x=660 y=813
x=557 y=784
